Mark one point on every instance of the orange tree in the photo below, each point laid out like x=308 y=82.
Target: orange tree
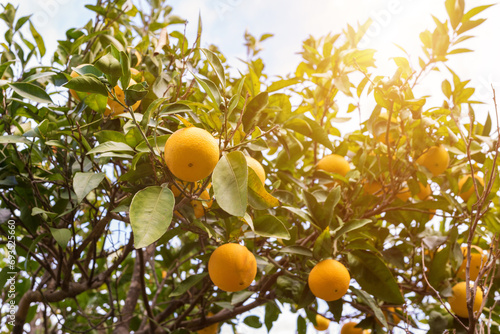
x=127 y=203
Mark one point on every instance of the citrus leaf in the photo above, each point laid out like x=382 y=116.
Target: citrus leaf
x=230 y=183
x=187 y=284
x=374 y=277
x=253 y=110
x=258 y=197
x=83 y=183
x=351 y=226
x=368 y=300
x=31 y=92
x=271 y=227
x=87 y=83
x=151 y=214
x=38 y=39
x=11 y=139
x=111 y=146
x=298 y=250
x=62 y=236
x=210 y=88
x=216 y=64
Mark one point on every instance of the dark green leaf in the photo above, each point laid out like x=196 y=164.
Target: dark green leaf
x=187 y=284
x=253 y=321
x=109 y=65
x=374 y=277
x=368 y=300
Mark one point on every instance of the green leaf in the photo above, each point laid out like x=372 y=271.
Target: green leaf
x=111 y=146
x=38 y=40
x=253 y=321
x=240 y=296
x=311 y=129
x=109 y=65
x=31 y=92
x=258 y=197
x=272 y=314
x=271 y=227
x=374 y=277
x=84 y=183
x=336 y=307
x=368 y=300
x=210 y=88
x=62 y=236
x=187 y=284
x=301 y=325
x=216 y=64
x=11 y=139
x=135 y=93
x=298 y=250
x=253 y=110
x=323 y=245
x=351 y=226
x=151 y=213
x=230 y=183
x=438 y=269
x=87 y=83
x=21 y=21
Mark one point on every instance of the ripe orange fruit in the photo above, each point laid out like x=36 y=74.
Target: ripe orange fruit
x=404 y=194
x=477 y=262
x=322 y=323
x=329 y=280
x=350 y=328
x=466 y=194
x=334 y=163
x=116 y=108
x=373 y=188
x=394 y=318
x=212 y=329
x=191 y=154
x=199 y=209
x=232 y=267
x=435 y=159
x=257 y=168
x=458 y=301
x=425 y=191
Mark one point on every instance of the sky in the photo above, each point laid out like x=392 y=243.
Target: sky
x=292 y=21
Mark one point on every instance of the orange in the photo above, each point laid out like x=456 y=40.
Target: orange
x=212 y=329
x=334 y=163
x=477 y=262
x=116 y=108
x=404 y=194
x=329 y=280
x=425 y=191
x=257 y=168
x=458 y=301
x=322 y=323
x=435 y=159
x=466 y=194
x=350 y=328
x=232 y=267
x=191 y=154
x=373 y=188
x=199 y=209
x=391 y=311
